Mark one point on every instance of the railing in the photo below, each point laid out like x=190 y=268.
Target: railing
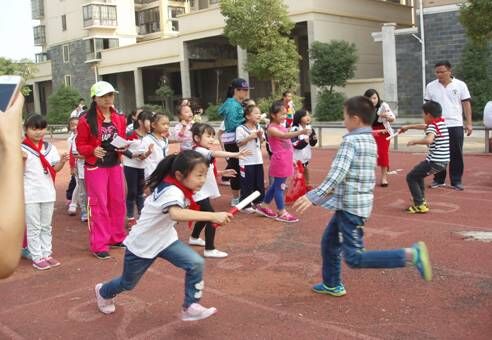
x=61 y=129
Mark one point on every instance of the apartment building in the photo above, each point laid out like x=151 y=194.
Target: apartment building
x=136 y=44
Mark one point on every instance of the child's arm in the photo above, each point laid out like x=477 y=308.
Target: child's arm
x=252 y=136
x=58 y=166
x=287 y=135
x=338 y=171
x=404 y=128
x=224 y=154
x=428 y=139
x=184 y=215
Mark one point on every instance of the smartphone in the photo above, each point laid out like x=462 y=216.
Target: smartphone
x=9 y=87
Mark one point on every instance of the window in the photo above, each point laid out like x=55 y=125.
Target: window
x=148 y=21
x=37 y=9
x=100 y=15
x=39 y=35
x=41 y=57
x=213 y=2
x=66 y=53
x=93 y=47
x=68 y=80
x=64 y=22
x=173 y=12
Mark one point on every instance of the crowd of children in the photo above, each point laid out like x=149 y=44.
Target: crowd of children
x=167 y=188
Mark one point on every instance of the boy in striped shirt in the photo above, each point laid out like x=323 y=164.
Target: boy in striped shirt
x=349 y=190
x=437 y=138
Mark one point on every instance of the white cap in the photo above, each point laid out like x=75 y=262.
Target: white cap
x=101 y=88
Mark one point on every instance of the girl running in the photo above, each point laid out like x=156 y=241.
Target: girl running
x=172 y=185
x=281 y=163
x=203 y=138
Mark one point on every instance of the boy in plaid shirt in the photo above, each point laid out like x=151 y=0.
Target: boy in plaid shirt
x=348 y=189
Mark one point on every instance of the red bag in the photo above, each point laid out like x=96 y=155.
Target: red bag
x=297 y=186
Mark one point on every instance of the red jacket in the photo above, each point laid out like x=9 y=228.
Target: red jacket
x=86 y=142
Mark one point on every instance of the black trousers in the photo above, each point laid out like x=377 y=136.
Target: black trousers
x=71 y=187
x=135 y=182
x=209 y=229
x=456 y=164
x=233 y=163
x=252 y=179
x=415 y=179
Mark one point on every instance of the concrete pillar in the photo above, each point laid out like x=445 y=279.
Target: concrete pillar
x=389 y=66
x=184 y=66
x=314 y=89
x=37 y=100
x=139 y=94
x=242 y=59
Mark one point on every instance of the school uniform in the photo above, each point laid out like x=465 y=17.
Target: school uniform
x=159 y=152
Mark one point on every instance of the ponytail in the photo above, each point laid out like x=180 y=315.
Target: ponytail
x=184 y=162
x=91 y=117
x=230 y=92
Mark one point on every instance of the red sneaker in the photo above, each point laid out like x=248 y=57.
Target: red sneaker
x=52 y=261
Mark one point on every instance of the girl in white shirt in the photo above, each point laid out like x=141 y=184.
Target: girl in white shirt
x=172 y=185
x=41 y=163
x=159 y=127
x=204 y=138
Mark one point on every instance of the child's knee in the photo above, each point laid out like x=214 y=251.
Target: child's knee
x=353 y=260
x=197 y=264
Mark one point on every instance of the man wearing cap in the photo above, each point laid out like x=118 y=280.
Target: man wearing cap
x=233 y=114
x=103 y=172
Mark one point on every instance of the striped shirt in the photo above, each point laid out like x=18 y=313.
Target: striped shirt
x=439 y=149
x=349 y=185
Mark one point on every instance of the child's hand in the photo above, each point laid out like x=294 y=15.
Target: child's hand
x=221 y=218
x=403 y=129
x=259 y=133
x=306 y=131
x=73 y=172
x=411 y=142
x=99 y=152
x=243 y=153
x=147 y=153
x=65 y=157
x=229 y=173
x=302 y=204
x=24 y=155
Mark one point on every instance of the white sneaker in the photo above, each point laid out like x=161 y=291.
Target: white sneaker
x=197 y=312
x=249 y=210
x=215 y=253
x=72 y=210
x=196 y=242
x=106 y=306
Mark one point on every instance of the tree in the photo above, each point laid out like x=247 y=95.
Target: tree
x=164 y=92
x=263 y=28
x=24 y=68
x=332 y=65
x=61 y=103
x=475 y=67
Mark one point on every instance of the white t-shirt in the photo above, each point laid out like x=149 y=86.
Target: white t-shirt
x=154 y=230
x=79 y=162
x=304 y=155
x=38 y=185
x=450 y=98
x=243 y=132
x=159 y=152
x=210 y=189
x=136 y=148
x=487 y=115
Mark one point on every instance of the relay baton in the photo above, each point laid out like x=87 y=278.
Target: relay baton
x=241 y=205
x=390 y=137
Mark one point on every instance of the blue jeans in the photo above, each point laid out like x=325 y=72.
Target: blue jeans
x=345 y=234
x=276 y=190
x=178 y=254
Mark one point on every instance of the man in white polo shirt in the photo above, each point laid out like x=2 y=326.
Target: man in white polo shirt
x=454 y=97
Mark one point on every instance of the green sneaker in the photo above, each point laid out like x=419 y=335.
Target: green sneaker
x=421 y=260
x=321 y=288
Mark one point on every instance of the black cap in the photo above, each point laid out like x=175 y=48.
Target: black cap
x=240 y=84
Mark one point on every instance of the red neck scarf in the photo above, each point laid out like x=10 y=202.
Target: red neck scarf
x=44 y=162
x=186 y=191
x=434 y=122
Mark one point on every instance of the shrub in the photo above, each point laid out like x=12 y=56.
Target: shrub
x=61 y=103
x=212 y=112
x=330 y=106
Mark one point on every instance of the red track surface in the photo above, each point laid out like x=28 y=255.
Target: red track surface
x=262 y=290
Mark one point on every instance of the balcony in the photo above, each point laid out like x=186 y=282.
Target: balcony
x=39 y=35
x=94 y=46
x=99 y=16
x=41 y=57
x=37 y=8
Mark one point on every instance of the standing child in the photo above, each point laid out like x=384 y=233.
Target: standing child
x=437 y=159
x=72 y=185
x=79 y=176
x=303 y=143
x=172 y=184
x=249 y=136
x=42 y=162
x=281 y=163
x=159 y=128
x=204 y=137
x=134 y=165
x=348 y=189
x=182 y=130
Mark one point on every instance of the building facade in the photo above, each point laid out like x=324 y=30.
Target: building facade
x=139 y=44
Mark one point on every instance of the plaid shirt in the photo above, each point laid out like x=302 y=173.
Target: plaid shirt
x=349 y=185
